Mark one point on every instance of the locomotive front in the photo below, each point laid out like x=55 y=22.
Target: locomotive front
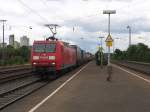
x=43 y=55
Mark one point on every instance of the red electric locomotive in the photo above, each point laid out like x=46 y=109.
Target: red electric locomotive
x=52 y=55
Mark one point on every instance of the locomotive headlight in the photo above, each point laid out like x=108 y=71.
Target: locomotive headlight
x=51 y=57
x=34 y=63
x=53 y=63
x=35 y=57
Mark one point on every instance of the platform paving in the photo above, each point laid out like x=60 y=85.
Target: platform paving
x=90 y=92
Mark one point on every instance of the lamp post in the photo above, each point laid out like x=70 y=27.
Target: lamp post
x=30 y=33
x=101 y=51
x=3 y=21
x=129 y=27
x=114 y=44
x=109 y=12
x=101 y=41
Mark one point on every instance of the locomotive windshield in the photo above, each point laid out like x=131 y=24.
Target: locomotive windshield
x=44 y=48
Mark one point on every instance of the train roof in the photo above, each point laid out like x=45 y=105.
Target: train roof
x=75 y=46
x=50 y=41
x=43 y=41
x=56 y=41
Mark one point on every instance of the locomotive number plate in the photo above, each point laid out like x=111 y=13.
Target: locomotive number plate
x=43 y=57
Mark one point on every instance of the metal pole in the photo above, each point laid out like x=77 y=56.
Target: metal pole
x=109 y=68
x=109 y=23
x=109 y=12
x=109 y=34
x=3 y=34
x=3 y=55
x=113 y=45
x=101 y=42
x=100 y=50
x=101 y=54
x=129 y=36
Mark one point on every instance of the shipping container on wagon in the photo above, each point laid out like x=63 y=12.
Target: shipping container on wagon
x=78 y=54
x=83 y=56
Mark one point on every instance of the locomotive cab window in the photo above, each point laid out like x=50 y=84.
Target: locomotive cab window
x=44 y=48
x=50 y=47
x=39 y=48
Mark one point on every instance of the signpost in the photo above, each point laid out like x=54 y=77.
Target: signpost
x=109 y=39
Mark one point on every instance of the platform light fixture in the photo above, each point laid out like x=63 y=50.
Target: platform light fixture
x=3 y=54
x=129 y=27
x=101 y=50
x=109 y=12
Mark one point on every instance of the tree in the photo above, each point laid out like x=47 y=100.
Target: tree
x=131 y=53
x=24 y=53
x=120 y=55
x=14 y=56
x=139 y=52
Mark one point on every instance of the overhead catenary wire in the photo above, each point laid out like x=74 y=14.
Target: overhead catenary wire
x=32 y=10
x=43 y=18
x=44 y=3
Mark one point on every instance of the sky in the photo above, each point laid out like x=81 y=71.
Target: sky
x=84 y=16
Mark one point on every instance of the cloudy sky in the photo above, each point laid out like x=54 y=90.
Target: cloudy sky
x=86 y=16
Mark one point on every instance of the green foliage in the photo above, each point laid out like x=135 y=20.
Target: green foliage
x=24 y=52
x=119 y=55
x=139 y=52
x=10 y=55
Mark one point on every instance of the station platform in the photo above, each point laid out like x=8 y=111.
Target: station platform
x=89 y=91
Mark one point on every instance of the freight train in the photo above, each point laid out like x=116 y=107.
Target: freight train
x=55 y=56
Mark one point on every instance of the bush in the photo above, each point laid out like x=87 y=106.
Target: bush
x=14 y=56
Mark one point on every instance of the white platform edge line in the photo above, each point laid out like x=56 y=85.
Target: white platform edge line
x=55 y=91
x=136 y=75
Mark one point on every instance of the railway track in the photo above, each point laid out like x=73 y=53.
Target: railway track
x=137 y=66
x=11 y=73
x=15 y=66
x=13 y=76
x=17 y=82
x=14 y=69
x=20 y=84
x=18 y=88
x=14 y=95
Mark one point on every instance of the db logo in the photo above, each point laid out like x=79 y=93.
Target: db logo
x=44 y=54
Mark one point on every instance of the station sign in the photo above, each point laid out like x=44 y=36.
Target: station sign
x=109 y=41
x=109 y=44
